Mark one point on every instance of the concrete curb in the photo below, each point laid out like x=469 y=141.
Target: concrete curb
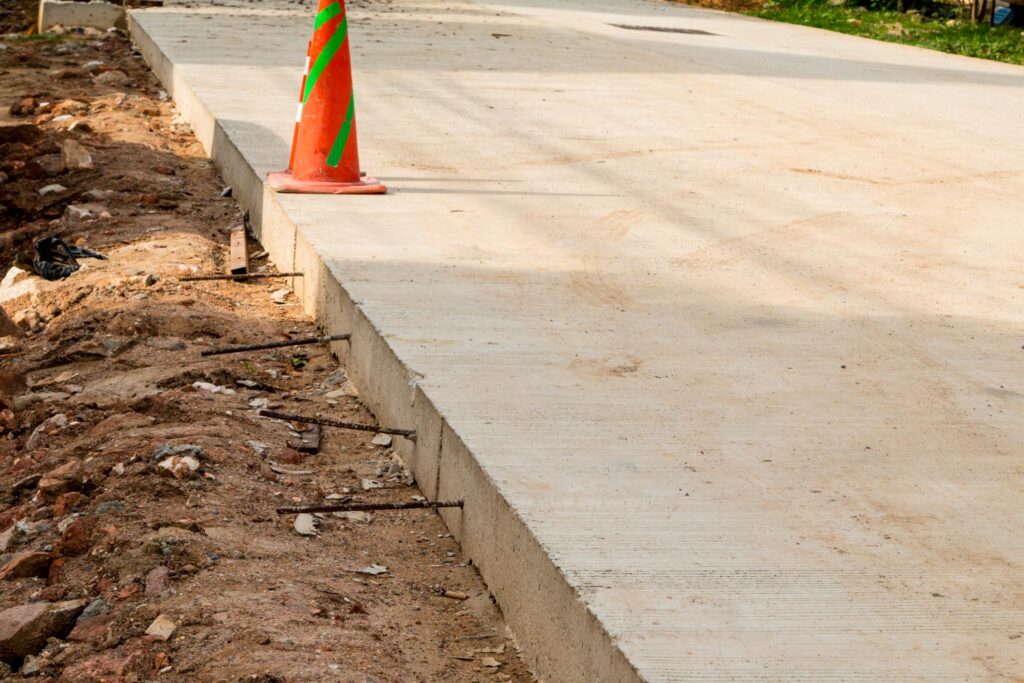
x=560 y=638
x=96 y=14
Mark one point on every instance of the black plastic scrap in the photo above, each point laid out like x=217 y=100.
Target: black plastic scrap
x=55 y=260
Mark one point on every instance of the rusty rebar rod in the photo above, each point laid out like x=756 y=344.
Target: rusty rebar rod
x=371 y=507
x=407 y=433
x=240 y=276
x=274 y=345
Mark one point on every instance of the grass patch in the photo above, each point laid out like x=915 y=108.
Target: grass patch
x=34 y=38
x=939 y=27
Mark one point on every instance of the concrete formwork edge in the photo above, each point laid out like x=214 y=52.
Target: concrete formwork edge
x=559 y=637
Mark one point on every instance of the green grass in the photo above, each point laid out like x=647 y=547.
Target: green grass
x=34 y=38
x=940 y=30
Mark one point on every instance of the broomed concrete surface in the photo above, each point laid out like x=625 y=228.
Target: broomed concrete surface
x=718 y=334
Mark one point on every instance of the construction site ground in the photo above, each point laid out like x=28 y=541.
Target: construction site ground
x=712 y=322
x=115 y=351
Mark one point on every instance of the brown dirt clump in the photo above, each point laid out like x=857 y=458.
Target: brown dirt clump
x=18 y=16
x=138 y=484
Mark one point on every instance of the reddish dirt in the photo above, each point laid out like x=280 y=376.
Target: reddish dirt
x=116 y=353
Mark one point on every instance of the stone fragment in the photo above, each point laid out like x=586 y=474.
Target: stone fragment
x=54 y=188
x=162 y=628
x=156 y=581
x=305 y=525
x=94 y=609
x=58 y=481
x=77 y=216
x=113 y=77
x=382 y=440
x=67 y=502
x=181 y=467
x=70 y=107
x=167 y=450
x=31 y=666
x=77 y=538
x=48 y=427
x=107 y=667
x=26 y=564
x=92 y=629
x=25 y=628
x=74 y=156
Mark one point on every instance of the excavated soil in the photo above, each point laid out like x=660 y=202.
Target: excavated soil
x=111 y=380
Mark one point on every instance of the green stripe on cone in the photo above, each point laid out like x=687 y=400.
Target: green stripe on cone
x=326 y=55
x=341 y=142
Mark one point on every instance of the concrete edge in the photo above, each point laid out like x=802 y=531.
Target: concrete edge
x=560 y=638
x=95 y=14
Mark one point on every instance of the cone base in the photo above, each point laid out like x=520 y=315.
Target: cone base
x=284 y=181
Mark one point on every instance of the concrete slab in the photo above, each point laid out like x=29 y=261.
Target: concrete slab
x=718 y=334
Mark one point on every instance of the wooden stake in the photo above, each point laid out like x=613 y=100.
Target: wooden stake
x=239 y=263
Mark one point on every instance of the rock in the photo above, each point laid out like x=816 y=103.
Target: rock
x=370 y=484
x=77 y=216
x=94 y=609
x=213 y=388
x=26 y=483
x=97 y=195
x=291 y=456
x=77 y=537
x=156 y=581
x=12 y=515
x=25 y=628
x=49 y=397
x=280 y=296
x=61 y=480
x=74 y=156
x=55 y=188
x=305 y=525
x=49 y=164
x=112 y=77
x=48 y=427
x=258 y=447
x=26 y=564
x=107 y=667
x=151 y=279
x=166 y=344
x=67 y=502
x=490 y=662
x=91 y=629
x=31 y=666
x=382 y=440
x=8 y=538
x=181 y=467
x=70 y=107
x=184 y=449
x=28 y=320
x=360 y=517
x=373 y=570
x=162 y=628
x=108 y=507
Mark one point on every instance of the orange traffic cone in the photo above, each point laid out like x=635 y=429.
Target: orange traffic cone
x=325 y=158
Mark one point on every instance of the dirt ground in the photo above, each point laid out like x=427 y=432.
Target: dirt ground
x=107 y=388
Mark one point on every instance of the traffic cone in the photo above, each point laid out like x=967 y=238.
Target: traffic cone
x=325 y=158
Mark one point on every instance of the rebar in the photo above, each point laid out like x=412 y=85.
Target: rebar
x=274 y=345
x=407 y=433
x=371 y=507
x=240 y=276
